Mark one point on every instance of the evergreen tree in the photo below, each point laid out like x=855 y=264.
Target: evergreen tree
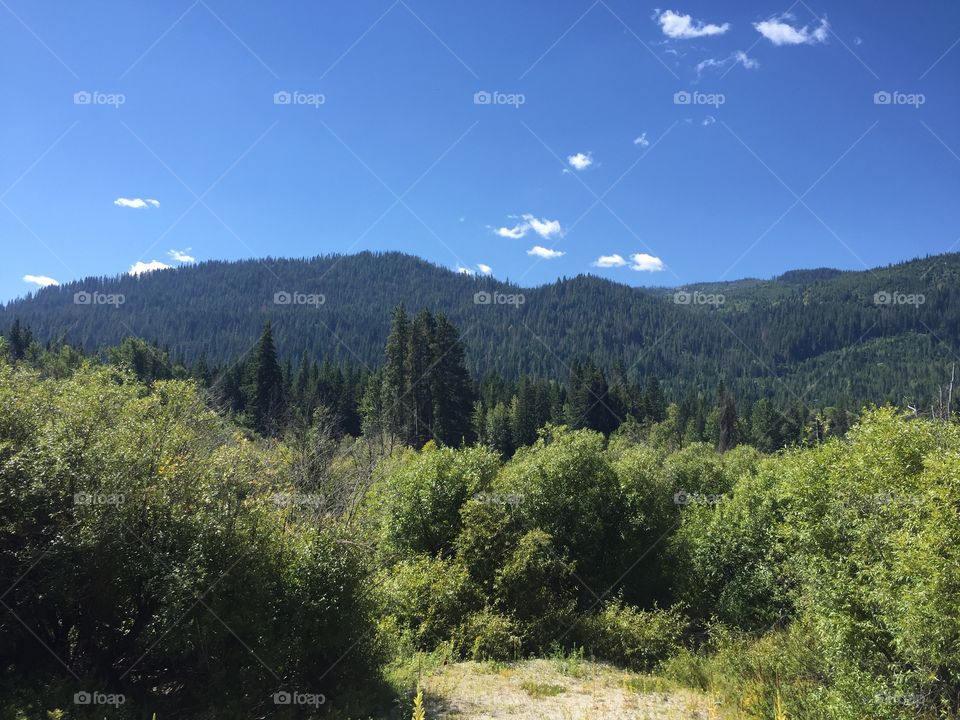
x=263 y=388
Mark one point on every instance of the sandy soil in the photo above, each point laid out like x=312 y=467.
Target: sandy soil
x=543 y=689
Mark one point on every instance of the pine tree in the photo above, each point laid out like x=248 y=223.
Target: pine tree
x=451 y=387
x=264 y=389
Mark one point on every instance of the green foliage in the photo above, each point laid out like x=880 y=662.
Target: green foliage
x=535 y=586
x=488 y=635
x=426 y=597
x=420 y=502
x=632 y=637
x=565 y=486
x=138 y=541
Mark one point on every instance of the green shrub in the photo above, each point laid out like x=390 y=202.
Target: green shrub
x=420 y=502
x=535 y=587
x=634 y=638
x=428 y=597
x=151 y=559
x=489 y=635
x=565 y=486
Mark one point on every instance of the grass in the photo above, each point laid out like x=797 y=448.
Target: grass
x=541 y=690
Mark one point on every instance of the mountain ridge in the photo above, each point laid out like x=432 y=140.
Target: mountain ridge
x=757 y=335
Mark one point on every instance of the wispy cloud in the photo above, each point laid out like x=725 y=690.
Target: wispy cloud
x=641 y=262
x=609 y=261
x=641 y=140
x=545 y=253
x=137 y=203
x=683 y=27
x=465 y=270
x=41 y=280
x=735 y=58
x=779 y=32
x=140 y=267
x=485 y=269
x=708 y=120
x=181 y=256
x=542 y=227
x=580 y=161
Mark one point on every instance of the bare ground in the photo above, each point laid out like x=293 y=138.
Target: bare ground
x=542 y=689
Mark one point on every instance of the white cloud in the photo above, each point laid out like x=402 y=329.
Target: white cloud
x=181 y=256
x=140 y=267
x=641 y=140
x=609 y=261
x=545 y=253
x=41 y=280
x=708 y=120
x=514 y=233
x=485 y=269
x=736 y=58
x=544 y=228
x=683 y=27
x=641 y=262
x=464 y=270
x=580 y=161
x=137 y=203
x=782 y=33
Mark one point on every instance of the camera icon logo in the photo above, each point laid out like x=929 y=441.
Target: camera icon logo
x=482 y=298
x=282 y=697
x=282 y=298
x=282 y=97
x=482 y=97
x=882 y=97
x=681 y=498
x=882 y=298
x=82 y=698
x=82 y=298
x=682 y=97
x=682 y=297
x=82 y=98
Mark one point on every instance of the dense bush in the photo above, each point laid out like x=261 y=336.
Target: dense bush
x=143 y=556
x=632 y=637
x=420 y=504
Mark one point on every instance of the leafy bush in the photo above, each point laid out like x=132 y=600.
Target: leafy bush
x=631 y=637
x=489 y=635
x=535 y=587
x=428 y=597
x=565 y=486
x=139 y=544
x=421 y=499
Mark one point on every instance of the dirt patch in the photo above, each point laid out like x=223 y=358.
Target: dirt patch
x=541 y=689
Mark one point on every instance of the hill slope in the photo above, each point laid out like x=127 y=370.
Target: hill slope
x=815 y=334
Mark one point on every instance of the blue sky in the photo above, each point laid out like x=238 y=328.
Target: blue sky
x=472 y=134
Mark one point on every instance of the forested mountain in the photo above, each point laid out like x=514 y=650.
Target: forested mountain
x=823 y=336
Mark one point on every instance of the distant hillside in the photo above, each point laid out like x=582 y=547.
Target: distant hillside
x=815 y=334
